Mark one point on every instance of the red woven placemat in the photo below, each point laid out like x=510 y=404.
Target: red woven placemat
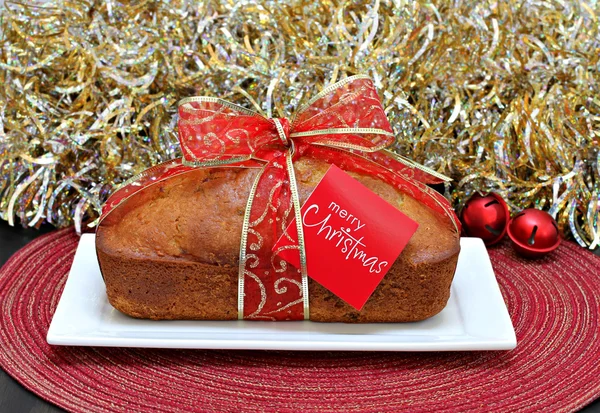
x=554 y=304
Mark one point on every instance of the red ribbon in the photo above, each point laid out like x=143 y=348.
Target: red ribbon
x=344 y=125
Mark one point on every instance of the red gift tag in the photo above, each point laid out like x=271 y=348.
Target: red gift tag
x=352 y=237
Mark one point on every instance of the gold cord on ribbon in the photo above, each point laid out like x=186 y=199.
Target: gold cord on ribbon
x=328 y=90
x=216 y=162
x=243 y=243
x=300 y=230
x=342 y=131
x=222 y=102
x=280 y=131
x=343 y=145
x=412 y=164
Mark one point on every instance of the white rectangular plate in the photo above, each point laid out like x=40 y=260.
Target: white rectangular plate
x=475 y=318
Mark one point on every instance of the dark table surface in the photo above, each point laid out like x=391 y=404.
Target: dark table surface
x=13 y=397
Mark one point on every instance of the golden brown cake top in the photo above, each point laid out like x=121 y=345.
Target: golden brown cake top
x=198 y=217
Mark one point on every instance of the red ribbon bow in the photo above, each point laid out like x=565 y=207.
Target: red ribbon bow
x=345 y=115
x=345 y=125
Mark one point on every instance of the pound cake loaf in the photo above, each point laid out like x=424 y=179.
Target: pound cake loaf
x=172 y=252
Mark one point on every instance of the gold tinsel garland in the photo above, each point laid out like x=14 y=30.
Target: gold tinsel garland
x=500 y=96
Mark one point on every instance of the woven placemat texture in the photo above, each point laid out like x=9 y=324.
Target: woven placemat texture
x=554 y=304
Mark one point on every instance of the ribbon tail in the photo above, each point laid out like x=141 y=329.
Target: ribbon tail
x=426 y=175
x=407 y=183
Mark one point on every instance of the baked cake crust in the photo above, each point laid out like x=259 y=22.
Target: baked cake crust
x=172 y=252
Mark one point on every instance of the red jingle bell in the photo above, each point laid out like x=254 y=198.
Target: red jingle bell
x=485 y=217
x=534 y=233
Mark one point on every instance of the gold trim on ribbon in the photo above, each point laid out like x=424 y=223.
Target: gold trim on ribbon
x=330 y=89
x=280 y=131
x=342 y=131
x=411 y=163
x=225 y=103
x=243 y=244
x=344 y=145
x=300 y=230
x=216 y=162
